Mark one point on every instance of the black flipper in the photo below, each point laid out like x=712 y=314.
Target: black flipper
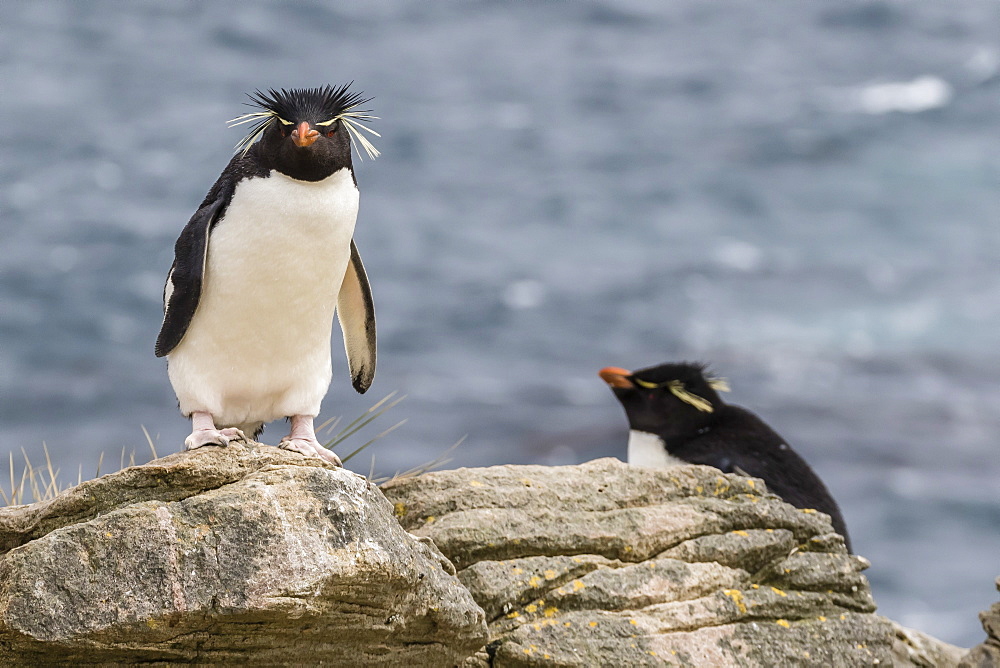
x=356 y=313
x=183 y=288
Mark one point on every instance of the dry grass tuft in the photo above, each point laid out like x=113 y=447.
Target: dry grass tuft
x=29 y=483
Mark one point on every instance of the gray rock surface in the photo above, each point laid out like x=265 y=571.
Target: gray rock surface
x=987 y=653
x=913 y=649
x=245 y=554
x=605 y=564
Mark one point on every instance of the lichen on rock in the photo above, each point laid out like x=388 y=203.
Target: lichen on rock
x=607 y=564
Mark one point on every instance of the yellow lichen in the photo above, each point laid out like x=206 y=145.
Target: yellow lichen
x=821 y=618
x=737 y=597
x=549 y=574
x=531 y=608
x=535 y=581
x=783 y=622
x=593 y=624
x=778 y=591
x=809 y=511
x=740 y=532
x=428 y=519
x=577 y=585
x=633 y=622
x=518 y=571
x=475 y=483
x=551 y=611
x=514 y=615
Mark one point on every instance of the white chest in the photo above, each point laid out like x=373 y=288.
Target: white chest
x=645 y=449
x=273 y=222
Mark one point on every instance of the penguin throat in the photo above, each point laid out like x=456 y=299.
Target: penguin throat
x=645 y=449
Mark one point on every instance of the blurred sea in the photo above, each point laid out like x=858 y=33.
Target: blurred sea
x=802 y=193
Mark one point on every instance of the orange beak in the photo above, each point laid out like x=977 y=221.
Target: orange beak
x=616 y=377
x=304 y=135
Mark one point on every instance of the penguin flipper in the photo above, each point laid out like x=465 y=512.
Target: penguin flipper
x=356 y=313
x=182 y=290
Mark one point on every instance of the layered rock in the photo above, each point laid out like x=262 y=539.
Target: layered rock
x=241 y=554
x=606 y=564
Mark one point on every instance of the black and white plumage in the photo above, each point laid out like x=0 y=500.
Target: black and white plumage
x=676 y=417
x=260 y=270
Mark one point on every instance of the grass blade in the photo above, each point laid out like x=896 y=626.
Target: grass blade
x=377 y=437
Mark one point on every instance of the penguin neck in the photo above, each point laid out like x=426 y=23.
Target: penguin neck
x=646 y=449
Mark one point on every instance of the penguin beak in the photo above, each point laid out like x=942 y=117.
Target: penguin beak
x=616 y=377
x=304 y=135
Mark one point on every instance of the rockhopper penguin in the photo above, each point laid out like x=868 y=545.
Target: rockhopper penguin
x=262 y=266
x=676 y=417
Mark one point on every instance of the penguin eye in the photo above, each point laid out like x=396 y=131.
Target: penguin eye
x=284 y=132
x=330 y=132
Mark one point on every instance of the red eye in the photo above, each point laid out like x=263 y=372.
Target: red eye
x=284 y=132
x=329 y=133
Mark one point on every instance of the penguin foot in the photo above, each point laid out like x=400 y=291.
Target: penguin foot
x=202 y=437
x=310 y=447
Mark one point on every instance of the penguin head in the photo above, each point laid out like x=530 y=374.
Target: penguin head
x=670 y=400
x=307 y=133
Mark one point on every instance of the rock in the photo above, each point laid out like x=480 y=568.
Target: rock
x=245 y=554
x=987 y=653
x=913 y=649
x=606 y=564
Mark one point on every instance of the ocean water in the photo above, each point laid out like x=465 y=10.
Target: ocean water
x=802 y=193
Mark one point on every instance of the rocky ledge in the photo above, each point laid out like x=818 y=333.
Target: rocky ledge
x=254 y=555
x=606 y=564
x=242 y=554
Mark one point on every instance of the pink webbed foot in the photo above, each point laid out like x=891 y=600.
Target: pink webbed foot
x=303 y=440
x=203 y=432
x=201 y=437
x=309 y=448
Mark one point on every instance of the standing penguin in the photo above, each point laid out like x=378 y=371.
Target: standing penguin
x=675 y=416
x=260 y=269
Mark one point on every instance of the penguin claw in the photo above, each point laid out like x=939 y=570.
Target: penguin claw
x=310 y=448
x=222 y=437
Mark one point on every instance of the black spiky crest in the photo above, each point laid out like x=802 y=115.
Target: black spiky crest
x=327 y=103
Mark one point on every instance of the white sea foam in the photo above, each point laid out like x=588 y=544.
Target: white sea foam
x=909 y=97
